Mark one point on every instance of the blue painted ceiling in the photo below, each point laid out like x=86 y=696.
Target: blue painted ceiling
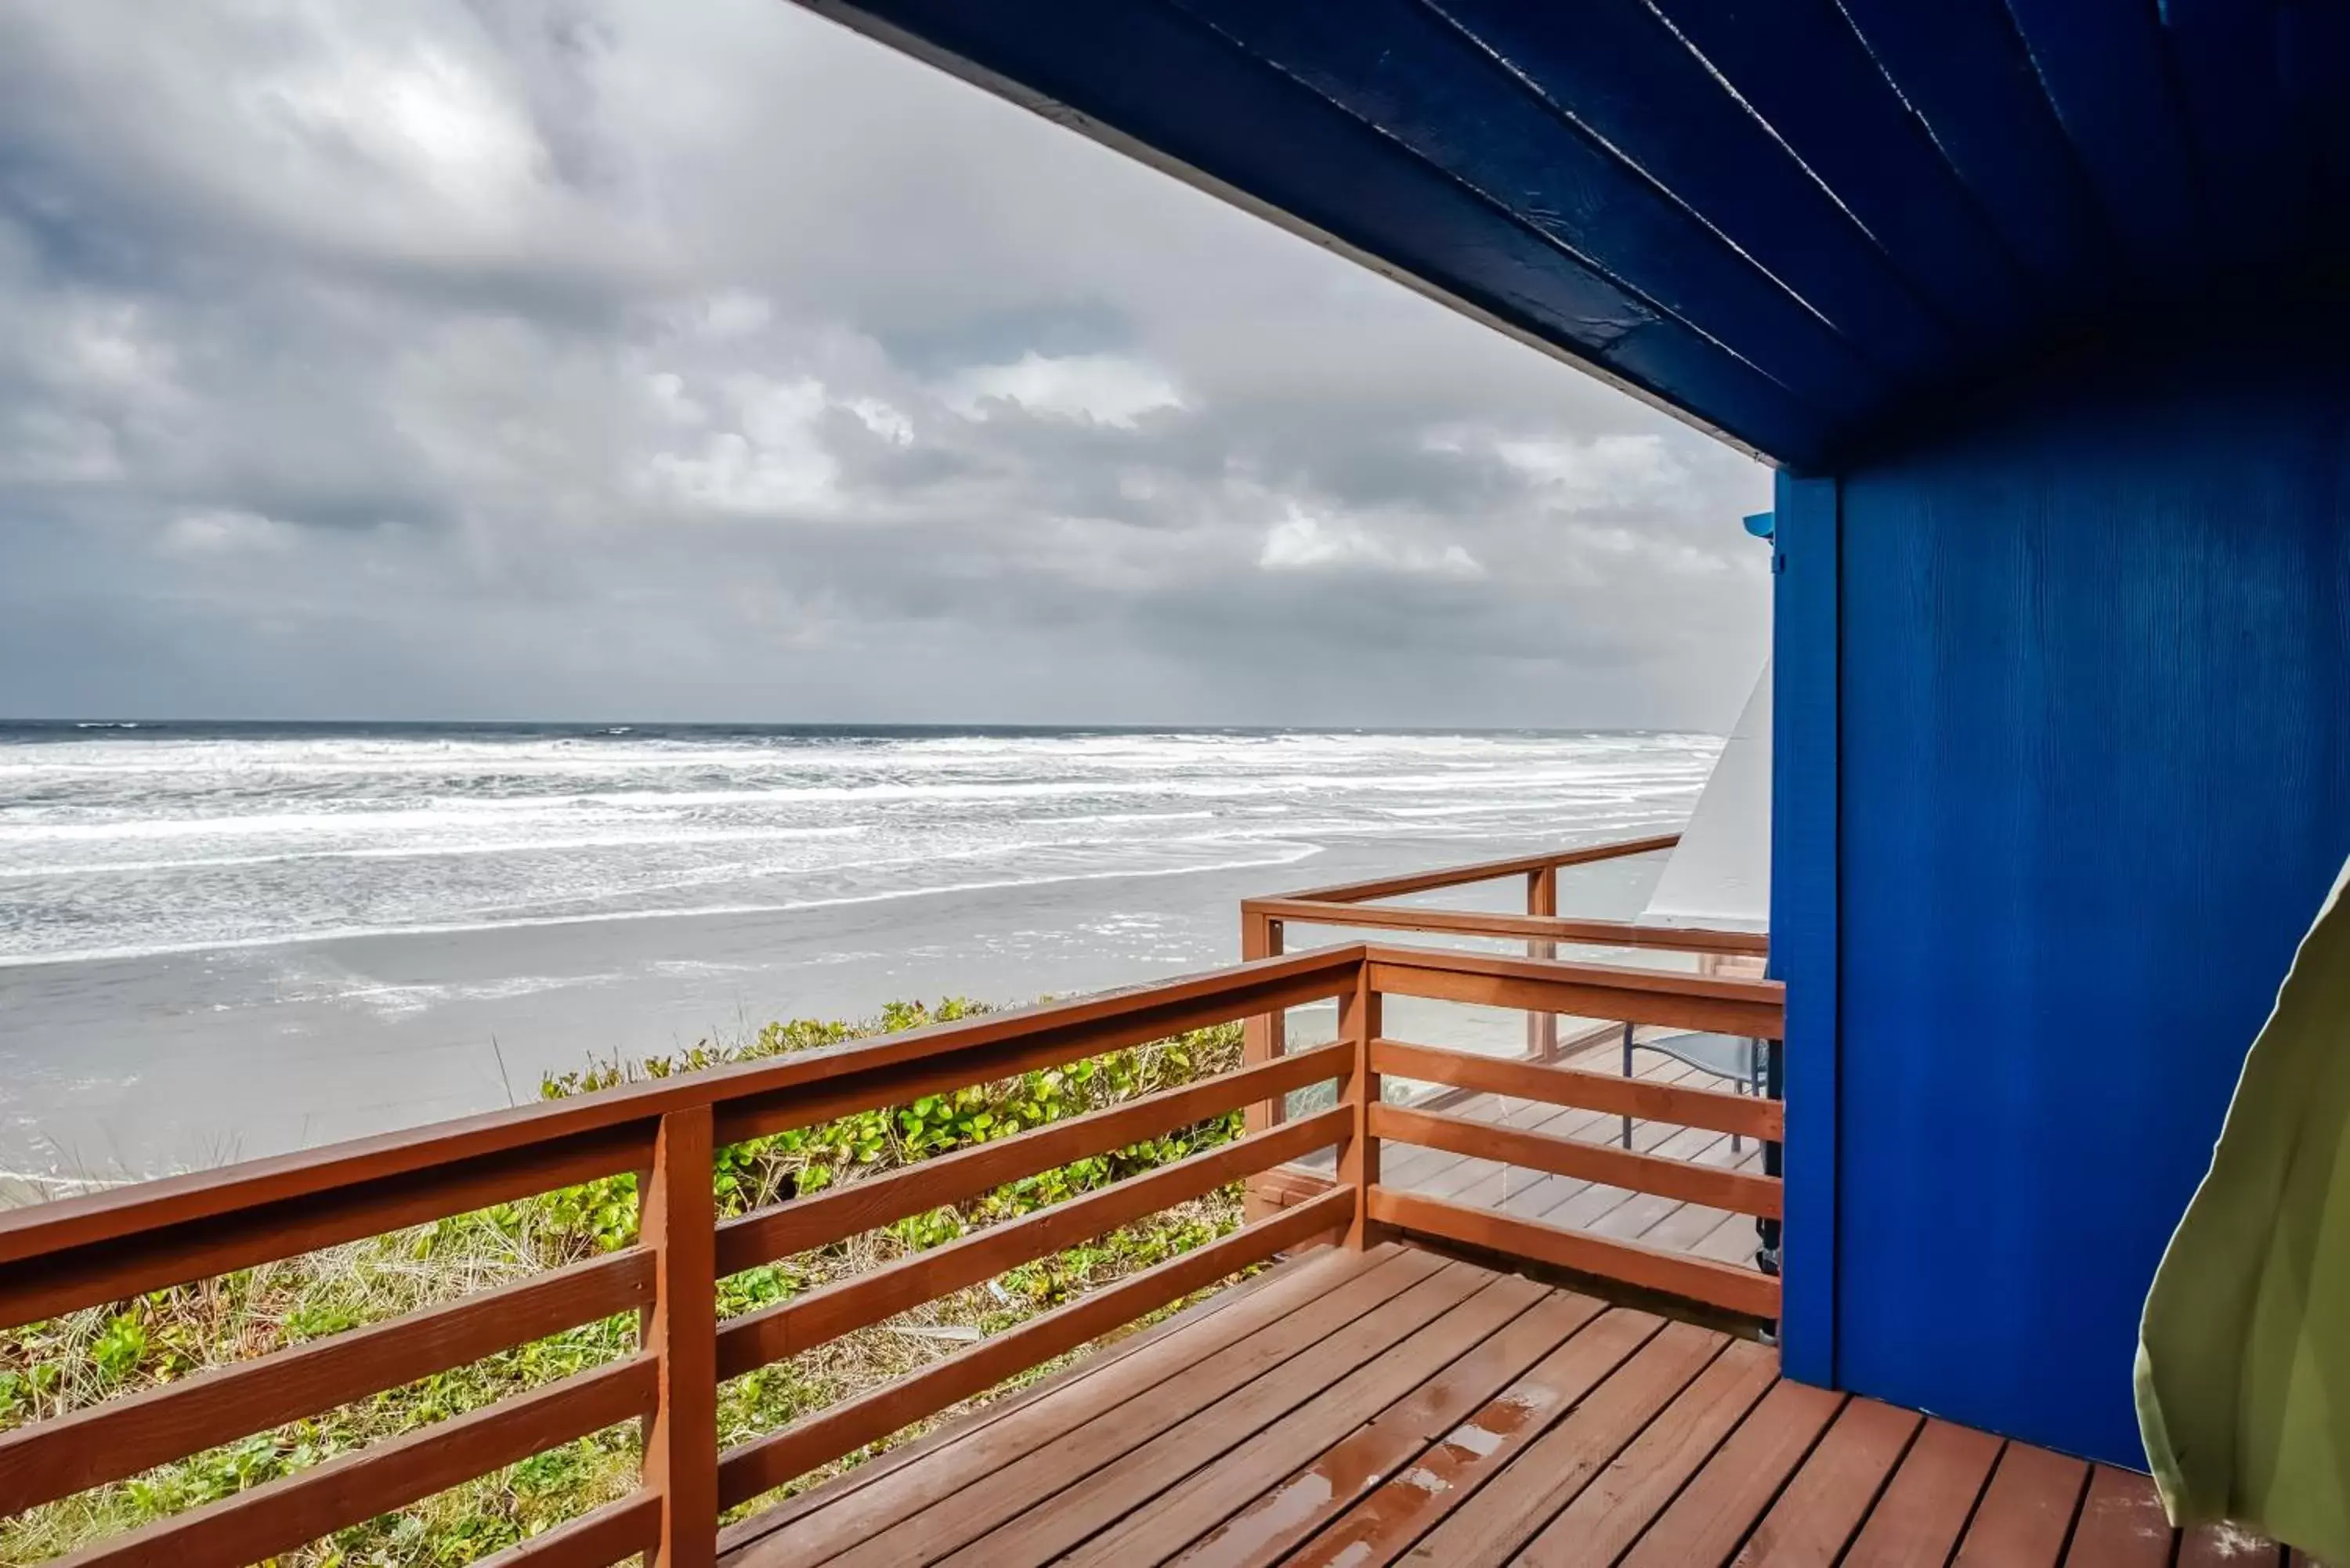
x=1802 y=224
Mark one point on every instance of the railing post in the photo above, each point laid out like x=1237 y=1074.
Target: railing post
x=679 y=1225
x=1261 y=1041
x=1541 y=898
x=1358 y=1157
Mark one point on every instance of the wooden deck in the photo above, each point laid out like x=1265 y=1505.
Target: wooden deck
x=1696 y=1230
x=1359 y=1409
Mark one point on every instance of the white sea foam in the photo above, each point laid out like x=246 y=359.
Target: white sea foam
x=169 y=840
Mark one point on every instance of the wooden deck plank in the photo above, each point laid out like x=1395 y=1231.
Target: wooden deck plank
x=2225 y=1546
x=1163 y=1526
x=846 y=1427
x=1547 y=1474
x=1311 y=1497
x=1386 y=1524
x=1632 y=1222
x=2027 y=1513
x=1437 y=1170
x=1462 y=1174
x=1277 y=1291
x=1689 y=1224
x=1437 y=1174
x=1539 y=1195
x=1702 y=1176
x=1588 y=1209
x=1713 y=1515
x=1585 y=1203
x=1925 y=1506
x=2122 y=1524
x=1273 y=1294
x=1608 y=1515
x=1816 y=1516
x=1732 y=1241
x=1238 y=1349
x=1035 y=1508
x=1480 y=1182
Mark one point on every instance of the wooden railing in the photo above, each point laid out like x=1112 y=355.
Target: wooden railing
x=82 y=1252
x=1752 y=1008
x=1608 y=1011
x=1355 y=905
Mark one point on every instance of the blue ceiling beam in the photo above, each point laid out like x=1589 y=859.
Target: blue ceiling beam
x=1610 y=66
x=1962 y=68
x=2106 y=69
x=2312 y=68
x=1801 y=66
x=2256 y=169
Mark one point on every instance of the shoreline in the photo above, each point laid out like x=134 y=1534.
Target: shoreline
x=122 y=1069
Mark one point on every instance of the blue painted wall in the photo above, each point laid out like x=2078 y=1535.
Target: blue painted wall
x=1803 y=944
x=2091 y=767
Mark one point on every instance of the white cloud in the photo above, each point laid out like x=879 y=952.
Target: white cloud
x=1583 y=475
x=1102 y=388
x=890 y=424
x=775 y=458
x=226 y=534
x=432 y=121
x=667 y=390
x=734 y=313
x=1299 y=542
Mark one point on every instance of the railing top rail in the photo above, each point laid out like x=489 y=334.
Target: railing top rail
x=1484 y=871
x=1482 y=923
x=148 y=1207
x=1603 y=976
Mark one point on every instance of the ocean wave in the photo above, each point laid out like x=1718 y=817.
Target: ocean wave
x=783 y=907
x=180 y=843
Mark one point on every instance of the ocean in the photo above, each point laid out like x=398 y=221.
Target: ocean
x=222 y=941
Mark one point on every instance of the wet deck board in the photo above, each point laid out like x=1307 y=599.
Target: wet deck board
x=1397 y=1406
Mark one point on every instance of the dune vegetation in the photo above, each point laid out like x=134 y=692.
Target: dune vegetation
x=51 y=1369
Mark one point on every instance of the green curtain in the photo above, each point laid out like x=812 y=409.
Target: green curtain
x=2243 y=1361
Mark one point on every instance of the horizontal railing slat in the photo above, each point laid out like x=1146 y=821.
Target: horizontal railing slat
x=1484 y=870
x=1682 y=1179
x=1479 y=923
x=283 y=1514
x=1750 y=1116
x=786 y=1329
x=802 y=1105
x=596 y=1540
x=760 y=1466
x=1749 y=1007
x=53 y=1458
x=1742 y=1291
x=827 y=1217
x=150 y=1258
x=46 y=1230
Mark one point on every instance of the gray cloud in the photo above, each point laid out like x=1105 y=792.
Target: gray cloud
x=706 y=360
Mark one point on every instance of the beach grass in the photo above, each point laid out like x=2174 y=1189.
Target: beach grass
x=49 y=1369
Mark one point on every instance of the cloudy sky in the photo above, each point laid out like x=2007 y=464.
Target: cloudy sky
x=704 y=360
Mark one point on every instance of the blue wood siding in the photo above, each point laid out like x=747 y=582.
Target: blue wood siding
x=1803 y=908
x=2094 y=778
